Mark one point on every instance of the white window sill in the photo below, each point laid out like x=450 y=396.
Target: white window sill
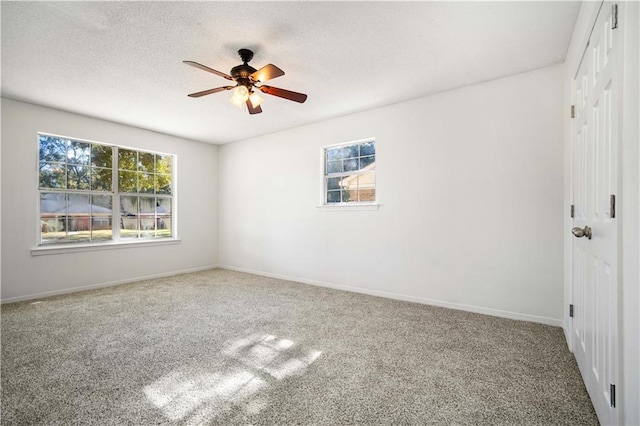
x=349 y=207
x=76 y=248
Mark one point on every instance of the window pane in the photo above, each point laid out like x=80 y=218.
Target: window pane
x=333 y=183
x=129 y=217
x=147 y=208
x=79 y=228
x=163 y=164
x=53 y=229
x=351 y=165
x=101 y=204
x=346 y=197
x=333 y=196
x=351 y=151
x=101 y=228
x=52 y=149
x=53 y=218
x=78 y=218
x=101 y=179
x=78 y=152
x=335 y=154
x=78 y=177
x=53 y=175
x=163 y=184
x=146 y=162
x=349 y=182
x=163 y=217
x=147 y=226
x=367 y=181
x=163 y=227
x=101 y=218
x=53 y=203
x=129 y=206
x=147 y=205
x=127 y=160
x=78 y=205
x=101 y=156
x=334 y=167
x=367 y=148
x=146 y=182
x=367 y=195
x=163 y=206
x=367 y=187
x=365 y=161
x=128 y=181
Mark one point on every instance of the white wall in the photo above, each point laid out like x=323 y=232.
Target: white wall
x=470 y=186
x=24 y=275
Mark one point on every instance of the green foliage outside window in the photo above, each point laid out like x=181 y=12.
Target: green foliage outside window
x=144 y=172
x=69 y=169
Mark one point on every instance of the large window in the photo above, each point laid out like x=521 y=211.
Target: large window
x=350 y=173
x=92 y=192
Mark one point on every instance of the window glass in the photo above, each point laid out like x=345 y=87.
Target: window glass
x=80 y=196
x=349 y=175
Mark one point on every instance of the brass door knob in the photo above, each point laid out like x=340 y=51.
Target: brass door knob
x=580 y=232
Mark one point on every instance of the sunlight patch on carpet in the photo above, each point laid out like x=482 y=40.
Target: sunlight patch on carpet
x=196 y=395
x=277 y=357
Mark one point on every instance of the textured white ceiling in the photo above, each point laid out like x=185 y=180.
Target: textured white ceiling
x=122 y=61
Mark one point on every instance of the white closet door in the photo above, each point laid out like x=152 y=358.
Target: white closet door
x=595 y=281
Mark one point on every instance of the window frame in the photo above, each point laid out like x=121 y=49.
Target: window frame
x=116 y=240
x=358 y=205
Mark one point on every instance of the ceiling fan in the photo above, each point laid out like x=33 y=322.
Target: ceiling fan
x=247 y=80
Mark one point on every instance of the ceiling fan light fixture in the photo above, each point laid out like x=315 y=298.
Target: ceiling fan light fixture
x=236 y=102
x=241 y=93
x=255 y=99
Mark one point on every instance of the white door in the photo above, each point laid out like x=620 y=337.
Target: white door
x=595 y=281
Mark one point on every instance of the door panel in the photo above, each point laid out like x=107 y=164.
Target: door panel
x=595 y=140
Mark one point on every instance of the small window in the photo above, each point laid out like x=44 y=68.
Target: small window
x=350 y=173
x=91 y=192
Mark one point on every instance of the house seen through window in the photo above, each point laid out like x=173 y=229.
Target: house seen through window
x=92 y=192
x=350 y=173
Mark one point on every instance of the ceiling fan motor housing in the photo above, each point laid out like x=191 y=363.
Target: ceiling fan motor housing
x=241 y=73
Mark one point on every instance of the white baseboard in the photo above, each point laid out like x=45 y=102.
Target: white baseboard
x=101 y=285
x=389 y=295
x=468 y=308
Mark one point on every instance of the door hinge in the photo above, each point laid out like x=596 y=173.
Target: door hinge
x=614 y=16
x=573 y=111
x=612 y=206
x=571 y=311
x=573 y=211
x=612 y=395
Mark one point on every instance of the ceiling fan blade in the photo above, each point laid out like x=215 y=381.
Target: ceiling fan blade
x=252 y=110
x=286 y=94
x=267 y=72
x=205 y=68
x=210 y=91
